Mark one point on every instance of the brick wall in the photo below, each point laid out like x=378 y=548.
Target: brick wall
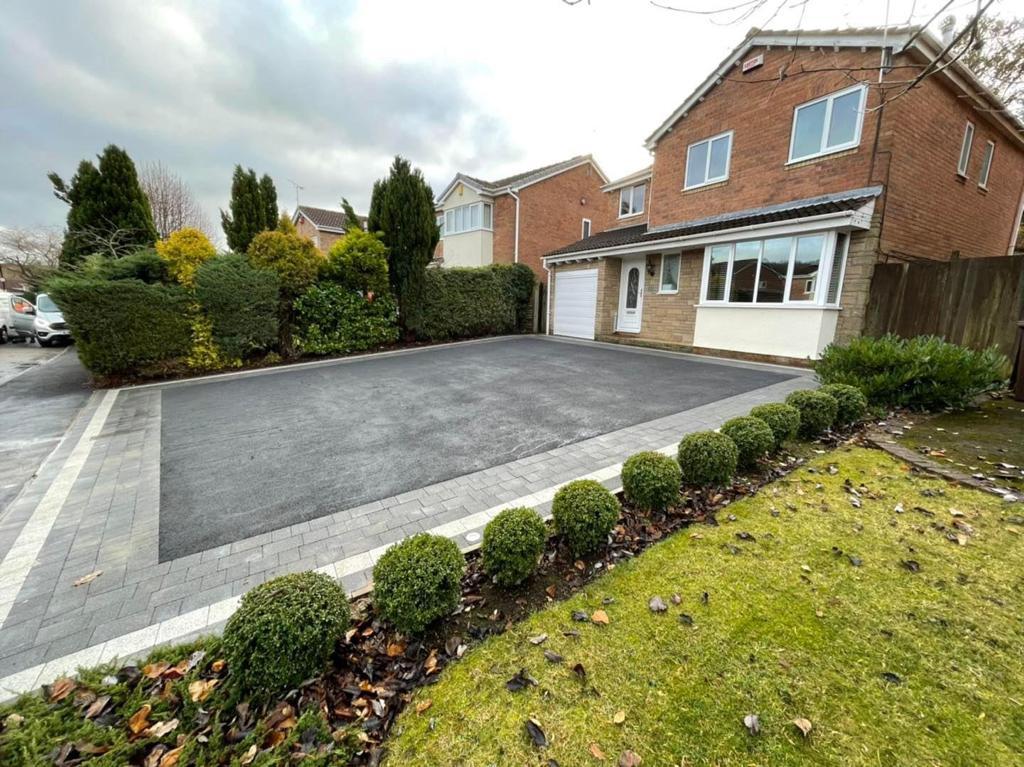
x=611 y=215
x=760 y=114
x=861 y=258
x=323 y=240
x=928 y=211
x=551 y=215
x=932 y=211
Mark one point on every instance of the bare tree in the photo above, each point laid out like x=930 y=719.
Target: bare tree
x=173 y=203
x=997 y=57
x=34 y=252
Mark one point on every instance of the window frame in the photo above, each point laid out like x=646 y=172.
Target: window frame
x=630 y=188
x=963 y=163
x=465 y=214
x=707 y=163
x=825 y=261
x=987 y=158
x=586 y=228
x=830 y=100
x=661 y=273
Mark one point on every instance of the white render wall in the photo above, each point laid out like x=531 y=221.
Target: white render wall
x=474 y=248
x=783 y=332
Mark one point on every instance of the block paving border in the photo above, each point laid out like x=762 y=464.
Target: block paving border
x=110 y=522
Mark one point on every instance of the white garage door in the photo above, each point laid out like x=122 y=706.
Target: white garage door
x=575 y=303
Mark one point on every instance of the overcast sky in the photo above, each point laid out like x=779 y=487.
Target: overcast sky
x=326 y=93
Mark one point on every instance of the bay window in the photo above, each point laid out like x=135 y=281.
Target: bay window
x=776 y=271
x=467 y=218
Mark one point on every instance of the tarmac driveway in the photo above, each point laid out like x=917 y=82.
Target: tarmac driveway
x=250 y=454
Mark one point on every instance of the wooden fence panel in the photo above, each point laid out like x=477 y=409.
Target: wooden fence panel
x=975 y=302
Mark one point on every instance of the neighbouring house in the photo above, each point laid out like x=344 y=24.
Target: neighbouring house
x=13 y=279
x=322 y=225
x=771 y=198
x=520 y=218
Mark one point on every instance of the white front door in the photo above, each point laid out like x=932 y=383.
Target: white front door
x=631 y=295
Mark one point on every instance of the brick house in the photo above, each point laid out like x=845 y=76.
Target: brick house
x=520 y=218
x=323 y=226
x=771 y=198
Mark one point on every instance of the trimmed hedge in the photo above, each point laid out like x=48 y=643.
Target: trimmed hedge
x=122 y=325
x=782 y=419
x=817 y=411
x=240 y=302
x=471 y=302
x=754 y=439
x=922 y=373
x=585 y=511
x=284 y=632
x=332 y=319
x=651 y=480
x=418 y=581
x=851 y=402
x=513 y=543
x=707 y=458
x=145 y=265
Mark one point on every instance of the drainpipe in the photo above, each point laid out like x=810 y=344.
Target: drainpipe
x=515 y=251
x=547 y=299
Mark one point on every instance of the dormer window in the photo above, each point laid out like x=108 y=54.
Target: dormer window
x=826 y=125
x=631 y=200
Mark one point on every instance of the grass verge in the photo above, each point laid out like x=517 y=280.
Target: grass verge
x=849 y=601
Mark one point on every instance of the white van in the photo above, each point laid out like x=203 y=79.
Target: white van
x=17 y=318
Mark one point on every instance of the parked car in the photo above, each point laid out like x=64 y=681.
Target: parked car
x=49 y=326
x=17 y=318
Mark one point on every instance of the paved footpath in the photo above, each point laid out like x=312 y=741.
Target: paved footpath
x=95 y=506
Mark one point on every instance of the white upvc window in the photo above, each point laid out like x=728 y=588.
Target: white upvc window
x=965 y=150
x=707 y=161
x=467 y=218
x=829 y=124
x=631 y=200
x=986 y=164
x=776 y=271
x=440 y=223
x=669 y=282
x=585 y=229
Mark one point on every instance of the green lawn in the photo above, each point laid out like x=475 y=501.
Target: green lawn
x=891 y=666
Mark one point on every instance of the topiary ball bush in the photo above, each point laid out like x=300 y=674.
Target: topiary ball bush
x=817 y=411
x=852 y=404
x=651 y=480
x=284 y=632
x=417 y=581
x=585 y=511
x=782 y=419
x=707 y=458
x=753 y=437
x=513 y=543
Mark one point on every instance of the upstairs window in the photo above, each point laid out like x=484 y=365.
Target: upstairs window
x=586 y=229
x=467 y=218
x=986 y=164
x=631 y=200
x=965 y=150
x=829 y=124
x=707 y=161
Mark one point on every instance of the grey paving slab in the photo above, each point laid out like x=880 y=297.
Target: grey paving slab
x=110 y=521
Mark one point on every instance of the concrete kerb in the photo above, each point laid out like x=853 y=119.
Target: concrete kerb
x=205 y=620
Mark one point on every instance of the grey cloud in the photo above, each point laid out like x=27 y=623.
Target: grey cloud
x=234 y=83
